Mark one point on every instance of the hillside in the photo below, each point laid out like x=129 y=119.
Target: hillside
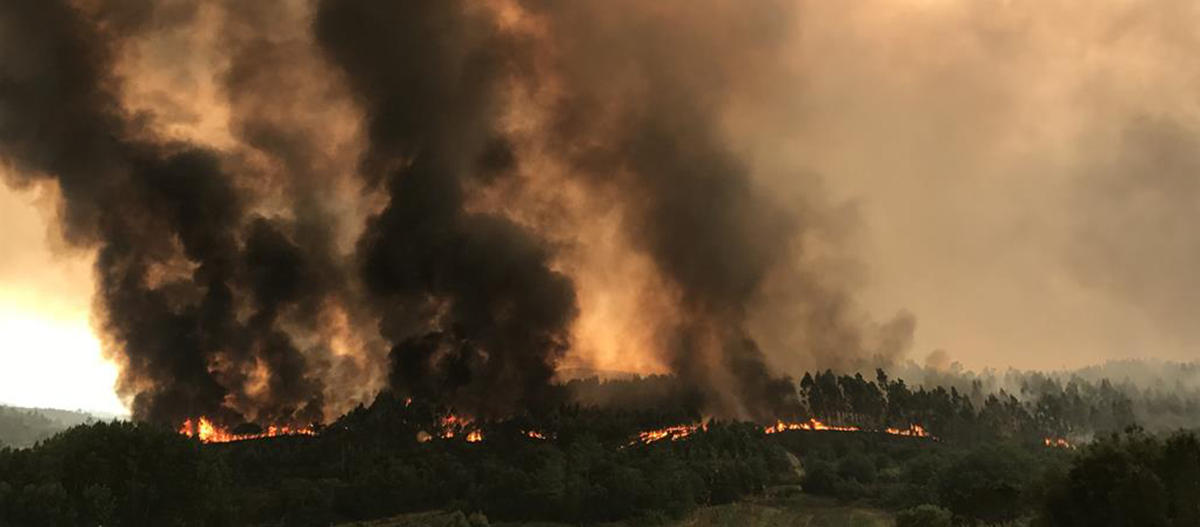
x=22 y=427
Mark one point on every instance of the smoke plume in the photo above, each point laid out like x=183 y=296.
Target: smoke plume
x=198 y=291
x=453 y=198
x=641 y=95
x=475 y=314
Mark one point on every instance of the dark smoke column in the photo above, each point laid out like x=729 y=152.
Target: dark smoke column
x=192 y=288
x=645 y=85
x=476 y=316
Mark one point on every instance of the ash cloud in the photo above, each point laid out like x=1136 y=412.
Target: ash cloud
x=476 y=315
x=192 y=283
x=443 y=233
x=645 y=95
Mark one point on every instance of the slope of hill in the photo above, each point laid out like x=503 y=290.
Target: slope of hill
x=22 y=427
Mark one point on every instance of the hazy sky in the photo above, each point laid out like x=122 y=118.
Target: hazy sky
x=1027 y=170
x=50 y=356
x=1024 y=174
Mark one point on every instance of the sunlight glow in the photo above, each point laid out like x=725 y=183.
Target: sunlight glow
x=53 y=363
x=49 y=355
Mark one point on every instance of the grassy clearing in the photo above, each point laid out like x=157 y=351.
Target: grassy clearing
x=798 y=511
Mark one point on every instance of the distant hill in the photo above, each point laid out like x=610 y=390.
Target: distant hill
x=22 y=427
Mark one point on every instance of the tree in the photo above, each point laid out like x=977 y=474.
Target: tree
x=1114 y=482
x=988 y=484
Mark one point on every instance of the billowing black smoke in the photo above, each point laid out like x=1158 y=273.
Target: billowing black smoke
x=476 y=315
x=646 y=89
x=192 y=286
x=218 y=269
x=643 y=91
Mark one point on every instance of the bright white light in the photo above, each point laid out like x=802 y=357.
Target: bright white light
x=49 y=356
x=56 y=363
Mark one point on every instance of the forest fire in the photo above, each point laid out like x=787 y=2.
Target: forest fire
x=811 y=424
x=815 y=425
x=674 y=433
x=453 y=426
x=1058 y=442
x=207 y=432
x=678 y=432
x=911 y=431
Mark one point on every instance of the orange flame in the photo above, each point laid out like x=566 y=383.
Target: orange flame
x=450 y=426
x=678 y=432
x=815 y=425
x=674 y=433
x=811 y=424
x=207 y=432
x=911 y=431
x=1058 y=442
x=535 y=435
x=453 y=425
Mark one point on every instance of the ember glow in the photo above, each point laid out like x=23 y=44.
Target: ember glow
x=815 y=425
x=811 y=424
x=204 y=429
x=453 y=426
x=674 y=433
x=911 y=431
x=1058 y=442
x=678 y=432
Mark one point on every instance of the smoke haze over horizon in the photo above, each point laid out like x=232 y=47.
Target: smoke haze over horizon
x=290 y=207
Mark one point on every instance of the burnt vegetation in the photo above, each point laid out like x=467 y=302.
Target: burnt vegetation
x=985 y=463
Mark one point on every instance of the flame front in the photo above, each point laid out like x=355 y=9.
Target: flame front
x=207 y=432
x=911 y=431
x=811 y=424
x=453 y=425
x=678 y=432
x=1058 y=442
x=815 y=425
x=675 y=433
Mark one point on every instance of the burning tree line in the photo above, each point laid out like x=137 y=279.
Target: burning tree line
x=1056 y=415
x=1062 y=413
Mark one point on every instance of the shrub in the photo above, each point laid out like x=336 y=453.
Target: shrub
x=924 y=516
